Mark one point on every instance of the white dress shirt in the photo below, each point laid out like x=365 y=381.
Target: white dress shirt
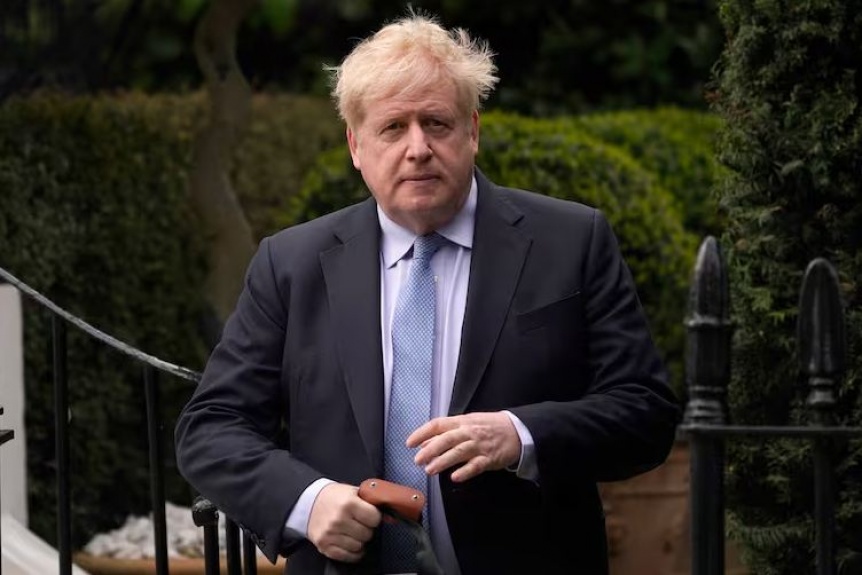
x=451 y=267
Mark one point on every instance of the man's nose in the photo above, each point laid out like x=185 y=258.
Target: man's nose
x=418 y=147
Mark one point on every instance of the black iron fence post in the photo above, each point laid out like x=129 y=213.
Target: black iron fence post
x=249 y=550
x=231 y=543
x=821 y=344
x=707 y=374
x=205 y=515
x=61 y=438
x=157 y=484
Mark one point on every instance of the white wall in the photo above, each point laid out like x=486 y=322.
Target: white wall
x=13 y=455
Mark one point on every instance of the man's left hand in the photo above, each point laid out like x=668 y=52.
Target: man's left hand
x=480 y=441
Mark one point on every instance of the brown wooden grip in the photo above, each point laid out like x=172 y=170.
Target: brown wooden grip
x=407 y=501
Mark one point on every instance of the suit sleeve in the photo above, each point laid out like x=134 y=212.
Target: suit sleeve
x=226 y=436
x=625 y=423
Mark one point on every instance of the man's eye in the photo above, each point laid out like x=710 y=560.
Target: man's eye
x=435 y=125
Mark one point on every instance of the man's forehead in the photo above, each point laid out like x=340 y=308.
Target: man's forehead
x=421 y=100
x=419 y=107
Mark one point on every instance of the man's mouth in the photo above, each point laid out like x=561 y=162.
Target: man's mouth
x=419 y=177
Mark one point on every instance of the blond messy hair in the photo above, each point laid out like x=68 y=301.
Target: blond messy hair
x=410 y=55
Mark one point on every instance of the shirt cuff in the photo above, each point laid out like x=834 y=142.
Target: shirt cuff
x=297 y=521
x=527 y=467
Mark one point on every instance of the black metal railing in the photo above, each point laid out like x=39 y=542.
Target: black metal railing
x=152 y=367
x=206 y=516
x=821 y=347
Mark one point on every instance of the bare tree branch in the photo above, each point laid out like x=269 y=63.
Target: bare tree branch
x=232 y=243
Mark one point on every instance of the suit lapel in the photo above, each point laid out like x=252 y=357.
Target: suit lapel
x=351 y=272
x=499 y=251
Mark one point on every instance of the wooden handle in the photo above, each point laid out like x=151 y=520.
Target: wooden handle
x=406 y=501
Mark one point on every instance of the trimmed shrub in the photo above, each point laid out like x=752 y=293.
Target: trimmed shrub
x=557 y=158
x=789 y=93
x=678 y=147
x=284 y=136
x=93 y=214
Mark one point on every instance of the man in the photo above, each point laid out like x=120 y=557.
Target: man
x=505 y=369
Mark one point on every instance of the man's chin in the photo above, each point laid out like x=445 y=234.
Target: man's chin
x=427 y=185
x=421 y=199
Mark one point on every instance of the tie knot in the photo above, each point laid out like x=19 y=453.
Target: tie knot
x=426 y=246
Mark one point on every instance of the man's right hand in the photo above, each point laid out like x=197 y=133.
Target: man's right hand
x=341 y=523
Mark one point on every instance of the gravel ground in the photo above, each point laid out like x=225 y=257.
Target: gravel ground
x=135 y=539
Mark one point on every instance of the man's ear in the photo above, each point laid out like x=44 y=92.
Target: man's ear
x=354 y=148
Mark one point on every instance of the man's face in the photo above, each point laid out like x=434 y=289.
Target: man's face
x=416 y=155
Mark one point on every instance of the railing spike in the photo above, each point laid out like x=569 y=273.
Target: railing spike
x=709 y=295
x=820 y=328
x=708 y=343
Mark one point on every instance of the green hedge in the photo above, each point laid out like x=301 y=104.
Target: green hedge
x=788 y=88
x=560 y=158
x=284 y=136
x=678 y=147
x=93 y=213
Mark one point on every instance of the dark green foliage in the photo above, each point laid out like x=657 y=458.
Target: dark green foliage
x=284 y=136
x=676 y=145
x=93 y=214
x=555 y=56
x=572 y=56
x=788 y=89
x=560 y=158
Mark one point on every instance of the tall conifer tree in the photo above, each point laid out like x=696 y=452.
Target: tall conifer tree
x=789 y=86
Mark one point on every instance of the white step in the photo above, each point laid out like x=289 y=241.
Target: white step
x=24 y=553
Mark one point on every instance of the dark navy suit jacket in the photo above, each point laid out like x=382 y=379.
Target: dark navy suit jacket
x=553 y=331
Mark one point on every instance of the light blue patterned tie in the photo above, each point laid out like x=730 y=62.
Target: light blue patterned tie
x=410 y=391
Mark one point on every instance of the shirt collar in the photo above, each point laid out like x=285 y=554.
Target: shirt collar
x=396 y=240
